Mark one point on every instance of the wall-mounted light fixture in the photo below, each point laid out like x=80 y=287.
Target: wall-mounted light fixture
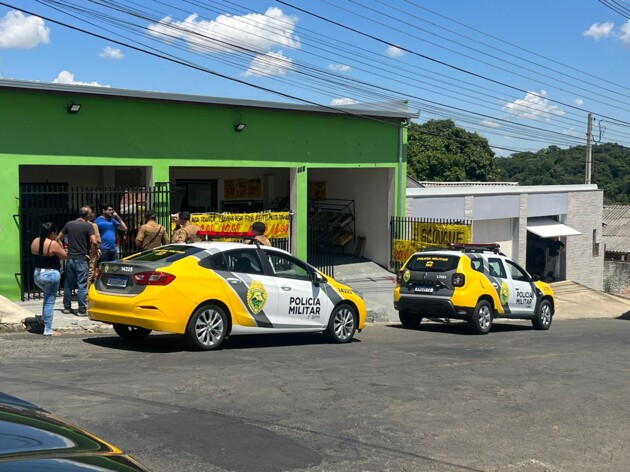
x=74 y=108
x=239 y=127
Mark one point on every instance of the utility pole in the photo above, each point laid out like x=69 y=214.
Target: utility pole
x=589 y=150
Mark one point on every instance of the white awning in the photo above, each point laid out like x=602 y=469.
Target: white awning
x=548 y=228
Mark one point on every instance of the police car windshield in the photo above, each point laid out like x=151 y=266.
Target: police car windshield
x=169 y=253
x=433 y=262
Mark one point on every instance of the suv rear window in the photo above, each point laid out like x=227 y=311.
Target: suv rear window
x=433 y=263
x=165 y=254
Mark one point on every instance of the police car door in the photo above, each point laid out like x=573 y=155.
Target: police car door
x=256 y=293
x=522 y=292
x=301 y=303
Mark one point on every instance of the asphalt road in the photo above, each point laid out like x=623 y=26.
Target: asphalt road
x=393 y=400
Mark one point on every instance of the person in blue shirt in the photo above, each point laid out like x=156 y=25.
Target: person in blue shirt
x=108 y=223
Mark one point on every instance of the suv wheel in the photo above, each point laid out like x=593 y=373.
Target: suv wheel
x=544 y=315
x=481 y=320
x=409 y=320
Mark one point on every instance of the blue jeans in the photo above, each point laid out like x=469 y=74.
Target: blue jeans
x=48 y=281
x=108 y=255
x=76 y=276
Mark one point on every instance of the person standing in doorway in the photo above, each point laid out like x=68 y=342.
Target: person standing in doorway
x=48 y=254
x=555 y=247
x=108 y=224
x=151 y=234
x=186 y=231
x=81 y=240
x=95 y=251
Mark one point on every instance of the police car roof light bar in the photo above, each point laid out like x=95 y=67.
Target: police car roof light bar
x=211 y=235
x=476 y=247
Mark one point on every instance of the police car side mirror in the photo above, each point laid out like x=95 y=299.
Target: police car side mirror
x=317 y=278
x=535 y=277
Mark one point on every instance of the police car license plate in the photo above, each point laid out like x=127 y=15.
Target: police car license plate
x=117 y=281
x=424 y=288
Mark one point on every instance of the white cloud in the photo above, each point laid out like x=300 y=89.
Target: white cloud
x=534 y=107
x=67 y=78
x=23 y=32
x=570 y=132
x=598 y=31
x=339 y=67
x=111 y=53
x=624 y=34
x=393 y=51
x=231 y=34
x=579 y=102
x=342 y=101
x=490 y=124
x=271 y=64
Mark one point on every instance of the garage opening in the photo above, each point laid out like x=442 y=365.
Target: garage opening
x=544 y=236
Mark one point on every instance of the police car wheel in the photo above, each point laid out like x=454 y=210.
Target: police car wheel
x=409 y=320
x=132 y=333
x=342 y=324
x=481 y=320
x=544 y=316
x=207 y=328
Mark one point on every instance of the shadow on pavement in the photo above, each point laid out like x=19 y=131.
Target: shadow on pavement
x=168 y=343
x=461 y=328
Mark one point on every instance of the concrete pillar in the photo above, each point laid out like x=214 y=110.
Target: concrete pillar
x=298 y=191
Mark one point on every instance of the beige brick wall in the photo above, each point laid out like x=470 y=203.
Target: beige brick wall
x=585 y=215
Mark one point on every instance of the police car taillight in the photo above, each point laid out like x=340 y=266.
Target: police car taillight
x=97 y=274
x=458 y=280
x=153 y=278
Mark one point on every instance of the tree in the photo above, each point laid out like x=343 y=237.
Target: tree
x=440 y=151
x=555 y=166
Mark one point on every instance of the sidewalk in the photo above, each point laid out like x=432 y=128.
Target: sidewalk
x=12 y=314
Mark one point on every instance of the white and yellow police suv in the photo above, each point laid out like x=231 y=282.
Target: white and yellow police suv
x=473 y=282
x=212 y=289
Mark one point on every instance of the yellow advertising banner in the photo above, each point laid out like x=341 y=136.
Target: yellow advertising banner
x=278 y=223
x=424 y=235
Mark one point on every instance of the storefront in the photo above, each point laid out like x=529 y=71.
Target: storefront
x=524 y=220
x=215 y=155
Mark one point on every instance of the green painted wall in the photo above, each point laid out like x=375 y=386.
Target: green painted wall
x=116 y=131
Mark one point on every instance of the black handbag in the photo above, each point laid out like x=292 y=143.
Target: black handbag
x=34 y=324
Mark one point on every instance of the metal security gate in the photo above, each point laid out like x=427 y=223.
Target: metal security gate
x=57 y=203
x=321 y=248
x=408 y=234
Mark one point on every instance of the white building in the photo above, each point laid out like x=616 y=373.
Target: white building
x=521 y=218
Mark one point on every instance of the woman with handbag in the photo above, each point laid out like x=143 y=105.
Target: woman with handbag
x=48 y=256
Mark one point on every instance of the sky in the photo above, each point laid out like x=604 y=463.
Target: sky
x=525 y=75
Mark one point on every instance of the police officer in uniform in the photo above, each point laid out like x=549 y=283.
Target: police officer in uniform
x=186 y=231
x=151 y=234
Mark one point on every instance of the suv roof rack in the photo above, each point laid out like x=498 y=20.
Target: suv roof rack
x=494 y=248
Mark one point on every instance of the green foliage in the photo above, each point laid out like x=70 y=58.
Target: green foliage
x=440 y=151
x=555 y=166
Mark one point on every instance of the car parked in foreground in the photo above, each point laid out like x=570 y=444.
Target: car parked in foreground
x=31 y=439
x=472 y=282
x=212 y=289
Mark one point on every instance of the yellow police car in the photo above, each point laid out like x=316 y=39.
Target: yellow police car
x=472 y=282
x=211 y=289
